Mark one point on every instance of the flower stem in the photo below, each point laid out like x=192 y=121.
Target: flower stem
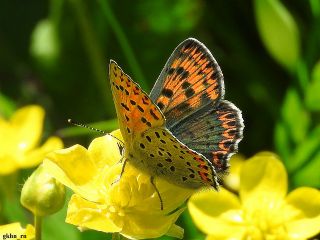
x=127 y=50
x=37 y=226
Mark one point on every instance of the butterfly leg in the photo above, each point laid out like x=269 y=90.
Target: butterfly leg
x=122 y=170
x=121 y=150
x=157 y=191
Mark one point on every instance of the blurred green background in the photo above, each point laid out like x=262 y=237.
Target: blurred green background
x=56 y=54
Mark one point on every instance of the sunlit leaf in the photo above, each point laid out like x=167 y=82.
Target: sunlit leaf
x=296 y=118
x=313 y=91
x=278 y=32
x=44 y=43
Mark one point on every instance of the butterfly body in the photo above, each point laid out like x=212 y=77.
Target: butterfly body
x=184 y=131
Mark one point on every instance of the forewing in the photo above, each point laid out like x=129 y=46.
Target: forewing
x=190 y=80
x=135 y=110
x=213 y=131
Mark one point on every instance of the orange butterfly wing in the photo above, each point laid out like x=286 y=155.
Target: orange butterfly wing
x=135 y=110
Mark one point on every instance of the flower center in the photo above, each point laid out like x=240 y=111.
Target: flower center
x=265 y=224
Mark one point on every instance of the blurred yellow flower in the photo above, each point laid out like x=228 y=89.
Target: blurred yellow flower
x=19 y=139
x=232 y=180
x=129 y=206
x=262 y=211
x=14 y=231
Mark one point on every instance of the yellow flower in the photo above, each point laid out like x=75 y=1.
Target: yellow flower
x=232 y=180
x=14 y=231
x=262 y=211
x=129 y=206
x=19 y=139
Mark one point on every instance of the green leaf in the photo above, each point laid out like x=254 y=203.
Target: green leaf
x=10 y=205
x=309 y=175
x=7 y=106
x=295 y=117
x=282 y=142
x=54 y=227
x=313 y=91
x=315 y=7
x=13 y=210
x=165 y=16
x=305 y=151
x=278 y=31
x=190 y=230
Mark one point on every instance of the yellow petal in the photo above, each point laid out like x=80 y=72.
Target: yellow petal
x=132 y=190
x=304 y=212
x=35 y=157
x=143 y=225
x=263 y=183
x=17 y=232
x=175 y=231
x=104 y=151
x=173 y=195
x=28 y=122
x=232 y=180
x=74 y=168
x=217 y=213
x=7 y=142
x=230 y=237
x=8 y=164
x=86 y=214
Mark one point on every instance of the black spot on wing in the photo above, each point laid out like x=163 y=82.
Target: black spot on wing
x=125 y=106
x=185 y=85
x=171 y=71
x=167 y=92
x=153 y=115
x=160 y=105
x=133 y=102
x=140 y=108
x=189 y=92
x=180 y=70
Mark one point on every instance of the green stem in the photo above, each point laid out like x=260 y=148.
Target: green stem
x=127 y=50
x=37 y=226
x=93 y=51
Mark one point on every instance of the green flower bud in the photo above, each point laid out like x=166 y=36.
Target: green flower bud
x=42 y=194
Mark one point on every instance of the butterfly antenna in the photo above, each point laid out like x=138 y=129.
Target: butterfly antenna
x=92 y=128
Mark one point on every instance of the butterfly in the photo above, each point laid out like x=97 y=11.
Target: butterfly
x=184 y=131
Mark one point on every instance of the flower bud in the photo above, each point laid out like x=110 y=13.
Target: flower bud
x=42 y=194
